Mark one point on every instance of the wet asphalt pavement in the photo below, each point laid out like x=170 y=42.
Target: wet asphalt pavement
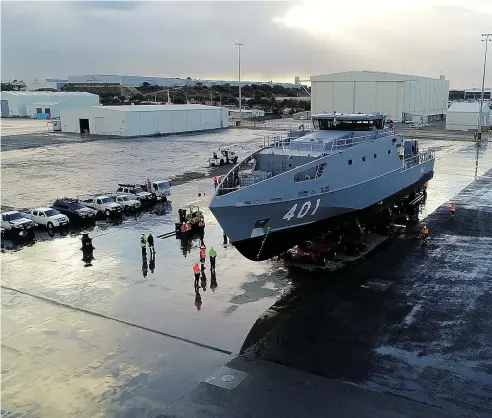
x=106 y=340
x=427 y=337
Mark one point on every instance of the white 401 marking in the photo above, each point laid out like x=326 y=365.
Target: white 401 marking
x=302 y=211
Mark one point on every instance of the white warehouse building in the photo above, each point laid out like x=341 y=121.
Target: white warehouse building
x=131 y=121
x=41 y=104
x=463 y=116
x=401 y=97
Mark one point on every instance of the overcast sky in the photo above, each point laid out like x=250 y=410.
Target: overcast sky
x=281 y=39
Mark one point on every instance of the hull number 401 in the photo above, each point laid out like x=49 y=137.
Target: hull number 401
x=303 y=210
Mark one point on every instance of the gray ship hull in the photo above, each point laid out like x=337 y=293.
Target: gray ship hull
x=263 y=230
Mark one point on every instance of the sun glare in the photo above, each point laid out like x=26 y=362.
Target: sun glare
x=335 y=18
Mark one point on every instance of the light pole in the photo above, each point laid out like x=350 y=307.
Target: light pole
x=485 y=39
x=239 y=45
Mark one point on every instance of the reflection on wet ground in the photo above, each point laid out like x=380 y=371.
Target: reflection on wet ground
x=88 y=344
x=151 y=335
x=427 y=337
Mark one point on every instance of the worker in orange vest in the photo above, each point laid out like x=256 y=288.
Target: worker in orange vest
x=196 y=271
x=215 y=181
x=203 y=255
x=453 y=209
x=425 y=233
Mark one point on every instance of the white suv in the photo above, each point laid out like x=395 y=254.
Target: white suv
x=127 y=201
x=48 y=217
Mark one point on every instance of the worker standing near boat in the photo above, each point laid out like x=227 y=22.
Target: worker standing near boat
x=150 y=241
x=453 y=210
x=196 y=271
x=425 y=234
x=143 y=245
x=203 y=256
x=212 y=254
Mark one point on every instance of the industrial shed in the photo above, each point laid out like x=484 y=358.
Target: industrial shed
x=16 y=103
x=462 y=116
x=400 y=97
x=130 y=121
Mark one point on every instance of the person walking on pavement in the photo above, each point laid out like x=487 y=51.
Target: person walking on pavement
x=215 y=182
x=212 y=254
x=143 y=245
x=425 y=234
x=196 y=271
x=150 y=240
x=453 y=210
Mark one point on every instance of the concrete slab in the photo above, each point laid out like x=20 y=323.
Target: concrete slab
x=274 y=390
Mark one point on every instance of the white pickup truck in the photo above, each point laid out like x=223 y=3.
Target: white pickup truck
x=135 y=190
x=128 y=202
x=14 y=221
x=48 y=217
x=103 y=204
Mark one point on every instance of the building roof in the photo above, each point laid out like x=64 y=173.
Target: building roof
x=365 y=75
x=467 y=107
x=47 y=94
x=158 y=108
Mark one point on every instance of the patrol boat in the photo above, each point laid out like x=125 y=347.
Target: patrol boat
x=294 y=188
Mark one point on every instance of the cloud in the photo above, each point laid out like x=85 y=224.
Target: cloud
x=281 y=39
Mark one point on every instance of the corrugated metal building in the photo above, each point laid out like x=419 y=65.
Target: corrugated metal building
x=462 y=116
x=130 y=121
x=16 y=102
x=401 y=97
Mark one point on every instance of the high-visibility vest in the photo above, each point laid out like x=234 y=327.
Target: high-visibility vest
x=143 y=242
x=183 y=228
x=212 y=253
x=453 y=207
x=425 y=231
x=203 y=253
x=215 y=179
x=201 y=224
x=196 y=268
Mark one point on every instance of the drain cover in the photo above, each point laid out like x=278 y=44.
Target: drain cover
x=227 y=378
x=376 y=284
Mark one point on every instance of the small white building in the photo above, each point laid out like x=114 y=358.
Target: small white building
x=463 y=116
x=131 y=121
x=246 y=113
x=15 y=103
x=400 y=97
x=45 y=83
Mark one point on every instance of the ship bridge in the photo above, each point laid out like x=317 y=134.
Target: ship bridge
x=281 y=153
